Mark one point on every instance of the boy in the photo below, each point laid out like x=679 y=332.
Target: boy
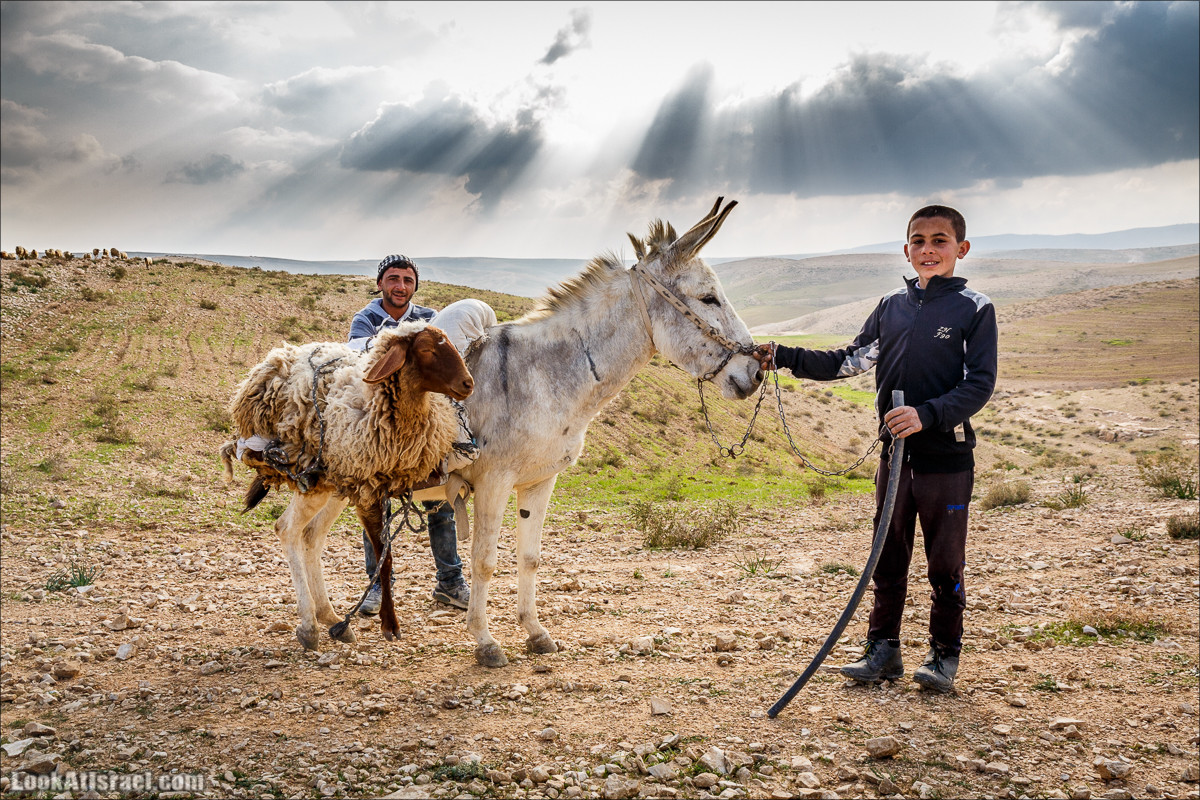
x=936 y=340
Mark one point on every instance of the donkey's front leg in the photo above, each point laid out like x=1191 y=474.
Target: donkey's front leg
x=531 y=513
x=490 y=499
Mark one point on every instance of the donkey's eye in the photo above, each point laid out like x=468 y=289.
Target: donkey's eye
x=710 y=299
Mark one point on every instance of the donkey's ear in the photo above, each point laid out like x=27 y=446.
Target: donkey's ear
x=688 y=245
x=389 y=362
x=639 y=249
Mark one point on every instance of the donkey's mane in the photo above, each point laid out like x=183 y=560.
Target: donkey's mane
x=598 y=272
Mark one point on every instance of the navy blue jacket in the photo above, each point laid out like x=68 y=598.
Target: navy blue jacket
x=939 y=348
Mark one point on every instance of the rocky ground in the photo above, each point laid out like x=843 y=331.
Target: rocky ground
x=181 y=657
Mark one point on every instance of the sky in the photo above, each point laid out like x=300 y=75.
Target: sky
x=523 y=130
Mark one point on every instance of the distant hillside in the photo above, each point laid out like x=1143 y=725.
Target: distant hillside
x=835 y=293
x=527 y=277
x=1131 y=239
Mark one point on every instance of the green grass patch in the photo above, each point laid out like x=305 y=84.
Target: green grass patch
x=74 y=575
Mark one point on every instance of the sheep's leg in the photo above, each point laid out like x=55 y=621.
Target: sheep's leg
x=490 y=499
x=531 y=507
x=314 y=544
x=291 y=526
x=370 y=514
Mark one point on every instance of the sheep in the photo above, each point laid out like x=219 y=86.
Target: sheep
x=386 y=428
x=96 y=252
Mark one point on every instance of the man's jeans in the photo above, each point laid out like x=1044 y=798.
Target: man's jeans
x=443 y=542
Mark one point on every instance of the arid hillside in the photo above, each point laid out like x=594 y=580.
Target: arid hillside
x=687 y=591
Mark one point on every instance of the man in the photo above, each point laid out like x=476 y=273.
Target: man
x=397 y=280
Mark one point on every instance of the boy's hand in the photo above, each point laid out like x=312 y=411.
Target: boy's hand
x=902 y=422
x=765 y=355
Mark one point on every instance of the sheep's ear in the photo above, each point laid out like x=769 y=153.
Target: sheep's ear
x=392 y=360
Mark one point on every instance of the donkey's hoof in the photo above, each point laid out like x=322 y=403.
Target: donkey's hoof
x=307 y=636
x=389 y=636
x=490 y=655
x=542 y=643
x=342 y=632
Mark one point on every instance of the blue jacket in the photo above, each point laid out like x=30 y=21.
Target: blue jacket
x=372 y=319
x=939 y=346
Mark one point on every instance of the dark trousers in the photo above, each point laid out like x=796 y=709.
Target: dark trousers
x=940 y=501
x=443 y=541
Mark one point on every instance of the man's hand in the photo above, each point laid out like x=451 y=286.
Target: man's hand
x=902 y=422
x=765 y=355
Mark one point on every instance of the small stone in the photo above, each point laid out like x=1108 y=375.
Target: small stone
x=1002 y=730
x=211 y=667
x=38 y=729
x=1061 y=723
x=659 y=707
x=664 y=772
x=714 y=759
x=725 y=643
x=279 y=626
x=18 y=747
x=1191 y=774
x=547 y=735
x=1088 y=630
x=1016 y=701
x=808 y=780
x=642 y=645
x=996 y=768
x=329 y=659
x=1112 y=770
x=766 y=643
x=705 y=780
x=65 y=670
x=801 y=764
x=1081 y=792
x=40 y=763
x=126 y=651
x=618 y=788
x=883 y=746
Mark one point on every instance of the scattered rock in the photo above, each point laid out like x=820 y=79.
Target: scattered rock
x=38 y=729
x=618 y=788
x=705 y=780
x=329 y=659
x=211 y=667
x=659 y=707
x=883 y=746
x=126 y=651
x=547 y=735
x=1112 y=770
x=642 y=645
x=725 y=643
x=18 y=747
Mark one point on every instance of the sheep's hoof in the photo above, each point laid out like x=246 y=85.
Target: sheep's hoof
x=490 y=655
x=342 y=632
x=307 y=634
x=542 y=643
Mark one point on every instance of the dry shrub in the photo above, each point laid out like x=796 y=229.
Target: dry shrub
x=1171 y=473
x=1185 y=526
x=675 y=525
x=1006 y=493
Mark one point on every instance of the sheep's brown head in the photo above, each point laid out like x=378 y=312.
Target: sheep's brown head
x=438 y=366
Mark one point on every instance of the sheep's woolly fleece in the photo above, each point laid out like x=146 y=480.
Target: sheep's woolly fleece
x=379 y=439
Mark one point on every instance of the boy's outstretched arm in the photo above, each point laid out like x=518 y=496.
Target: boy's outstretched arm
x=828 y=365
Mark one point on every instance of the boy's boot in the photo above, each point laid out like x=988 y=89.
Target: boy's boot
x=938 y=671
x=880 y=662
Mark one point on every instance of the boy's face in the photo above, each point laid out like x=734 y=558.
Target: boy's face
x=932 y=248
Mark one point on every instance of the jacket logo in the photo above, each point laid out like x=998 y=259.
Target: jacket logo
x=942 y=333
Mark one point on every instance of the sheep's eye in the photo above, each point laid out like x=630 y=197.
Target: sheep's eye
x=711 y=300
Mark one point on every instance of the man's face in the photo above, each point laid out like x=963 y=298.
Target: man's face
x=397 y=286
x=933 y=249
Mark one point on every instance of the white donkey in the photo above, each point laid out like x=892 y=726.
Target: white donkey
x=539 y=382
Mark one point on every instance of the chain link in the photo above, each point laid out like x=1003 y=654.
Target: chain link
x=735 y=450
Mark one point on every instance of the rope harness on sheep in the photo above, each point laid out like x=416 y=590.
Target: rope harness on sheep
x=274 y=453
x=409 y=509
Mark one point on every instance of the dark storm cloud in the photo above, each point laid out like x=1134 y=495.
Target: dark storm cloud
x=1125 y=96
x=447 y=137
x=210 y=169
x=570 y=37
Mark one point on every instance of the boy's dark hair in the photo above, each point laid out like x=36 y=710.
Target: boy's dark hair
x=957 y=221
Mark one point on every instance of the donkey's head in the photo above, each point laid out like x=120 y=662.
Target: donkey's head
x=675 y=261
